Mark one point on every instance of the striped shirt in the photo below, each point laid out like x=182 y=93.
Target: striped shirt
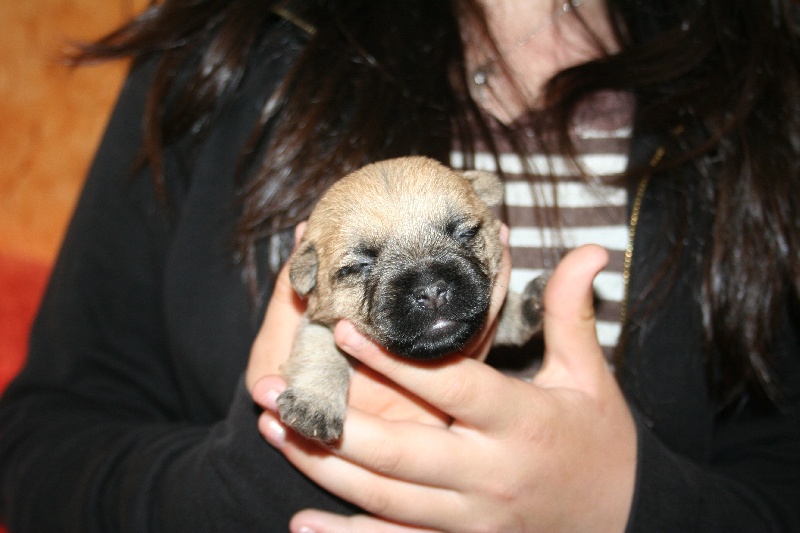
x=589 y=210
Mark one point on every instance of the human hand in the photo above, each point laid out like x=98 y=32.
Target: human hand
x=558 y=454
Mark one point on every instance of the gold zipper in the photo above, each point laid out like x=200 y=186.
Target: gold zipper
x=632 y=225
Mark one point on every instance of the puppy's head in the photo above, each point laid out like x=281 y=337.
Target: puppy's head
x=407 y=249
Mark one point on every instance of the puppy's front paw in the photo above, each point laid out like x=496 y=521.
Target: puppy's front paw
x=311 y=415
x=533 y=300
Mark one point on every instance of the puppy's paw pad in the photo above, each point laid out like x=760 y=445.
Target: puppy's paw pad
x=533 y=299
x=310 y=415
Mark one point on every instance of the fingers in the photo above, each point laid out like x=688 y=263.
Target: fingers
x=371 y=451
x=389 y=449
x=373 y=393
x=392 y=449
x=389 y=497
x=385 y=447
x=573 y=356
x=381 y=448
x=456 y=385
x=311 y=520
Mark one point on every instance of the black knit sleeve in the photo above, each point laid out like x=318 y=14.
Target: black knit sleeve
x=750 y=484
x=116 y=423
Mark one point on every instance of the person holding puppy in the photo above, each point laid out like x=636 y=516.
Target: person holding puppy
x=148 y=401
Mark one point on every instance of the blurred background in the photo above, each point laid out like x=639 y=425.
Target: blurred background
x=51 y=120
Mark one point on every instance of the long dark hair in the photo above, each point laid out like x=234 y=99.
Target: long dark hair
x=389 y=78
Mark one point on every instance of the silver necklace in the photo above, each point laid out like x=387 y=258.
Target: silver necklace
x=483 y=72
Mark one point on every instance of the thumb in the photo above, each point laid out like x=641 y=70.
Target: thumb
x=573 y=357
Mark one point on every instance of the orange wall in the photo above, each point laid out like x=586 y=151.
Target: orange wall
x=51 y=117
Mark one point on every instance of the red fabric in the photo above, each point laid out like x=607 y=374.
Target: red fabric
x=21 y=285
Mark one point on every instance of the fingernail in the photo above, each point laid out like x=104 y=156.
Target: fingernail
x=271 y=399
x=299 y=230
x=504 y=233
x=352 y=339
x=275 y=432
x=266 y=395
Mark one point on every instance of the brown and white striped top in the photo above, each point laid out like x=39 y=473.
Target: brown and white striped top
x=589 y=210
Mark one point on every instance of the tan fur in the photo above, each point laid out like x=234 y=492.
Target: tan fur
x=396 y=216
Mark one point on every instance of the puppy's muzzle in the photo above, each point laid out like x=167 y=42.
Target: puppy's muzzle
x=432 y=309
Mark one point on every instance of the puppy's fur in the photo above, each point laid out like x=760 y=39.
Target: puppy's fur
x=407 y=249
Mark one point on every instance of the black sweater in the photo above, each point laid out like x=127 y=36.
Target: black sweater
x=131 y=414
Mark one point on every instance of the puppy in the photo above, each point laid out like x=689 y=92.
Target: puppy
x=407 y=249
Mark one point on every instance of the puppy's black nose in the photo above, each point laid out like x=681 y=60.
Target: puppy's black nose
x=432 y=295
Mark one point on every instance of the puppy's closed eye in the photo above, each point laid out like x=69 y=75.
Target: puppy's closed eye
x=359 y=265
x=463 y=231
x=358 y=268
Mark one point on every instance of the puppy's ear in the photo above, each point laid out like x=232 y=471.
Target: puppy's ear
x=303 y=269
x=487 y=185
